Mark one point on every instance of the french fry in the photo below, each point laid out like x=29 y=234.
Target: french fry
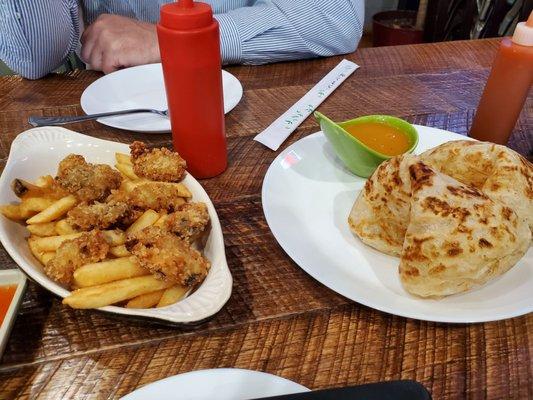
x=172 y=295
x=127 y=169
x=115 y=237
x=64 y=228
x=44 y=181
x=161 y=221
x=119 y=251
x=45 y=257
x=52 y=243
x=36 y=204
x=54 y=211
x=14 y=212
x=108 y=271
x=129 y=185
x=45 y=229
x=23 y=188
x=45 y=187
x=114 y=292
x=123 y=158
x=149 y=217
x=183 y=191
x=147 y=300
x=33 y=248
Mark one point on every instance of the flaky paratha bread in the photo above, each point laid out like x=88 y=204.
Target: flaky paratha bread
x=499 y=172
x=457 y=237
x=450 y=236
x=380 y=214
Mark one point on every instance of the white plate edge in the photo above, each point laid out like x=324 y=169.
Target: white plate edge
x=168 y=379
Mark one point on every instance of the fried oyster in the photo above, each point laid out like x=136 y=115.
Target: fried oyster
x=189 y=222
x=98 y=215
x=156 y=196
x=157 y=164
x=90 y=247
x=87 y=181
x=168 y=257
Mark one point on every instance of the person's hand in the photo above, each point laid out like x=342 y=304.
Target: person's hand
x=113 y=42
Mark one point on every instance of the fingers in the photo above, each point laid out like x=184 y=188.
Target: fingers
x=87 y=43
x=101 y=57
x=98 y=45
x=114 y=42
x=110 y=63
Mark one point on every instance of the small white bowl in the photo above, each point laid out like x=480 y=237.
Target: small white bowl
x=11 y=277
x=38 y=152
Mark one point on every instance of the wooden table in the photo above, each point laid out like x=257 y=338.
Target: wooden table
x=278 y=319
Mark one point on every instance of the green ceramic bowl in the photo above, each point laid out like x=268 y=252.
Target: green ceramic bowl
x=358 y=157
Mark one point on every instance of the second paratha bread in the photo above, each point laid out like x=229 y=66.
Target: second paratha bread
x=380 y=214
x=499 y=172
x=457 y=237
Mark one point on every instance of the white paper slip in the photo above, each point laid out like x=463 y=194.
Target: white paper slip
x=280 y=129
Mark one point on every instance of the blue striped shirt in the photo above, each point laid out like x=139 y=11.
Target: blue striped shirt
x=37 y=35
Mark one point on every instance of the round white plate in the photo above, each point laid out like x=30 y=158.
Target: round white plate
x=219 y=384
x=307 y=197
x=142 y=87
x=37 y=152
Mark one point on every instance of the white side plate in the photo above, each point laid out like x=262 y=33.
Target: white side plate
x=142 y=87
x=307 y=196
x=11 y=277
x=219 y=384
x=37 y=152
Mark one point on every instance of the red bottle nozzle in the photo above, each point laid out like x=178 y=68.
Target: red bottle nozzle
x=186 y=3
x=186 y=14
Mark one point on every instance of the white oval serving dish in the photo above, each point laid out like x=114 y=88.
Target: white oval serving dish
x=38 y=152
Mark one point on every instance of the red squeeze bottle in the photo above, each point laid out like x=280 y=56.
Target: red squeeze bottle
x=507 y=87
x=189 y=42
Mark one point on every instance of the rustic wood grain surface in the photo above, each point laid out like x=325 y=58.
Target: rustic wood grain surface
x=279 y=319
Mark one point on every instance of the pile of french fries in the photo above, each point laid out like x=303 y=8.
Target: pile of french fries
x=119 y=279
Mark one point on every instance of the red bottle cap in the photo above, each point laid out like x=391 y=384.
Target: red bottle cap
x=186 y=14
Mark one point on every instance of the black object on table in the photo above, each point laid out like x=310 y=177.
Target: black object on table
x=392 y=390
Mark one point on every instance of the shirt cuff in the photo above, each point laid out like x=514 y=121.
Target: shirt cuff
x=230 y=40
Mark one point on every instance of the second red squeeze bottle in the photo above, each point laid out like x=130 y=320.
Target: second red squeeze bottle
x=507 y=87
x=189 y=42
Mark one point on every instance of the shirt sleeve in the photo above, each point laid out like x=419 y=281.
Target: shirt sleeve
x=281 y=30
x=37 y=35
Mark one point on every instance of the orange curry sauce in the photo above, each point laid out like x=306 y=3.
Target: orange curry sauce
x=383 y=138
x=6 y=295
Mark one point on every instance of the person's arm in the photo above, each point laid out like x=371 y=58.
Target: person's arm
x=37 y=35
x=280 y=30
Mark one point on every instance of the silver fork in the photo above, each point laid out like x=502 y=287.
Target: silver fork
x=50 y=121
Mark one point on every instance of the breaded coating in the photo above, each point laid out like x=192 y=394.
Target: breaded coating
x=156 y=196
x=120 y=196
x=168 y=257
x=157 y=164
x=90 y=247
x=87 y=181
x=97 y=215
x=188 y=222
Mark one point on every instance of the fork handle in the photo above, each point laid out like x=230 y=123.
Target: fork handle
x=53 y=121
